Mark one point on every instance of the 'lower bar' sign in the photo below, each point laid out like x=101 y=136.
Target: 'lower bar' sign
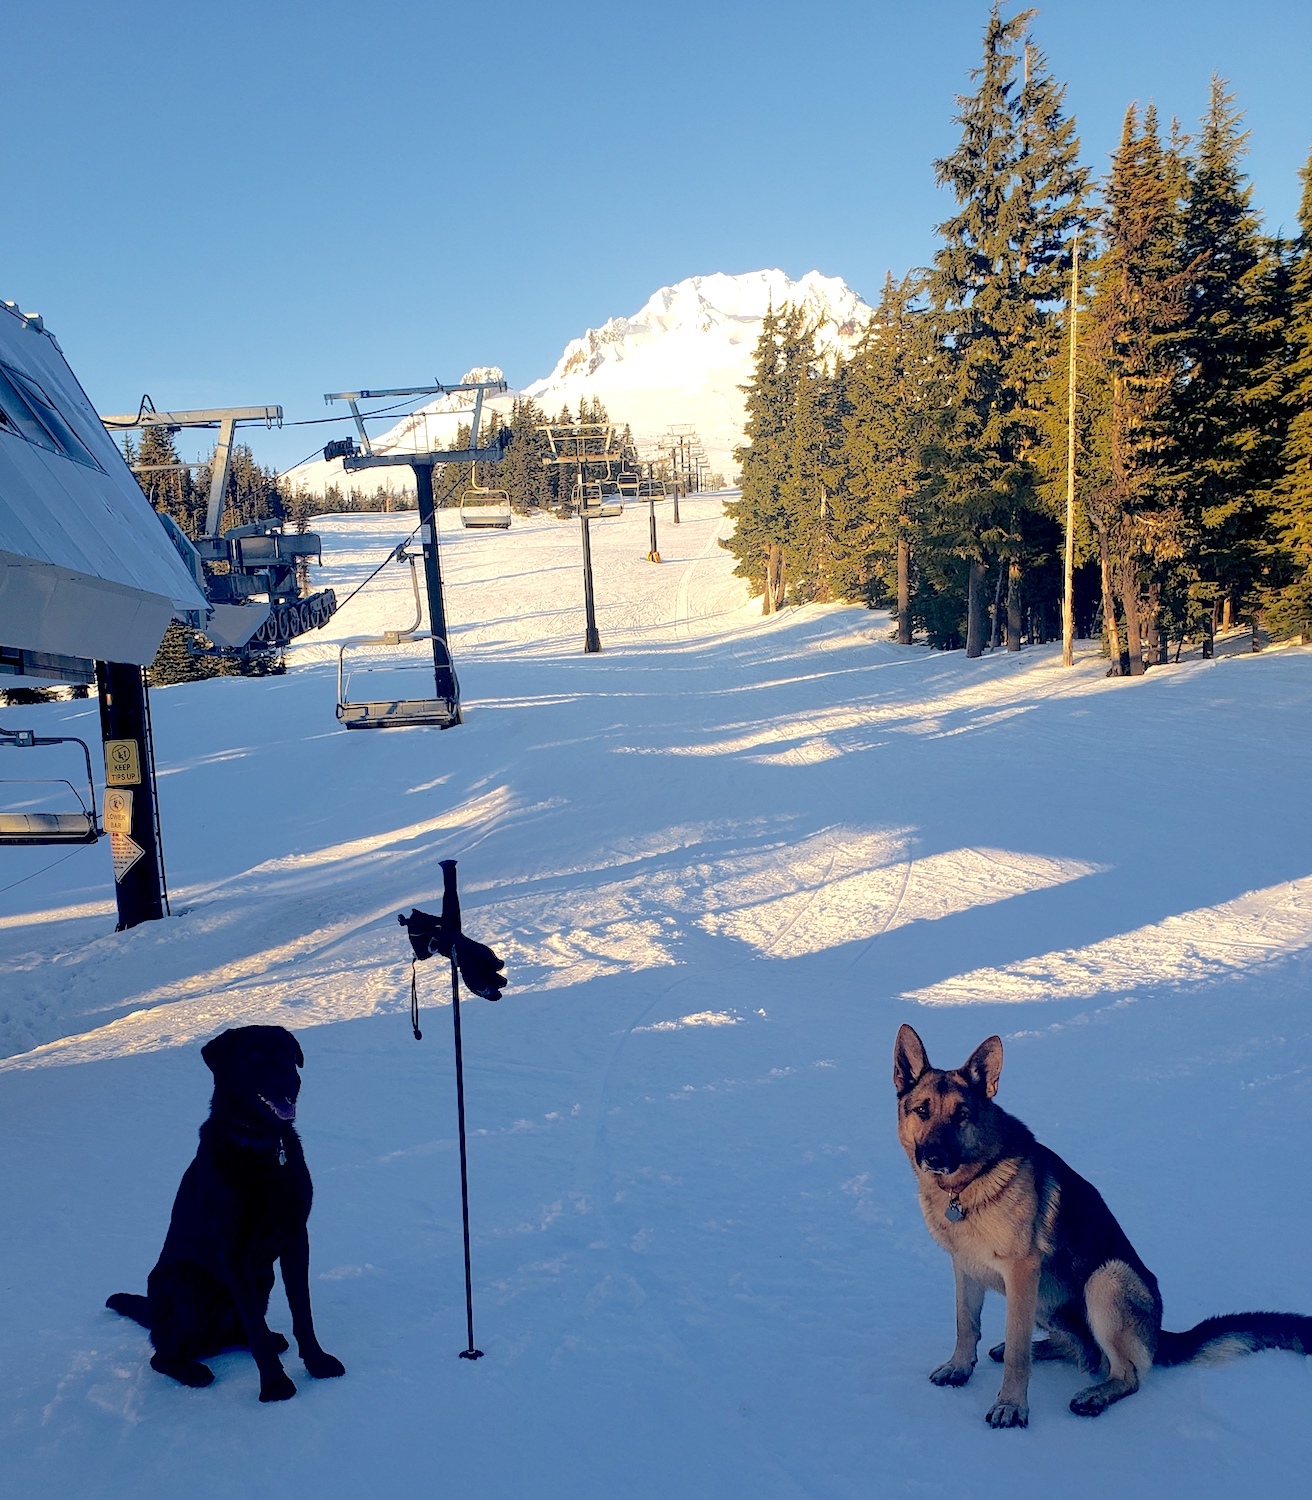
x=118 y=810
x=124 y=852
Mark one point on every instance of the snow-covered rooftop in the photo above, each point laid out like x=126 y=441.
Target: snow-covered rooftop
x=86 y=569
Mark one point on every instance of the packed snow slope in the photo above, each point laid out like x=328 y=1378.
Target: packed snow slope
x=724 y=859
x=683 y=358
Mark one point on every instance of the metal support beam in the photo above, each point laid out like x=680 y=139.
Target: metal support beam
x=591 y=639
x=271 y=416
x=219 y=476
x=130 y=813
x=444 y=677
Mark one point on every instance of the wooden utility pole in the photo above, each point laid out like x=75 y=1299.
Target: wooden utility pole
x=1068 y=598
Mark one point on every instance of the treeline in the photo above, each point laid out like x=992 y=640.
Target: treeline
x=929 y=470
x=259 y=494
x=523 y=473
x=182 y=492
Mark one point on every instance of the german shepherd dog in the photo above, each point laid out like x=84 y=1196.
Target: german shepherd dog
x=1016 y=1219
x=242 y=1204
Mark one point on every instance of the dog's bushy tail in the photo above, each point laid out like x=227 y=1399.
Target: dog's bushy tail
x=138 y=1308
x=1215 y=1340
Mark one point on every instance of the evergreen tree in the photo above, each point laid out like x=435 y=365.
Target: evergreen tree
x=1290 y=607
x=764 y=531
x=890 y=420
x=1229 y=417
x=995 y=287
x=1135 y=338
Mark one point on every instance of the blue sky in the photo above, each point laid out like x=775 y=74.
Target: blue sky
x=241 y=202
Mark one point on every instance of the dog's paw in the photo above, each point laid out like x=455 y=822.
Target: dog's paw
x=189 y=1372
x=950 y=1374
x=1008 y=1414
x=998 y=1353
x=277 y=1387
x=323 y=1366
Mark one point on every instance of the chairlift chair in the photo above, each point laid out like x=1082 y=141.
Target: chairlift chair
x=594 y=503
x=484 y=509
x=49 y=825
x=390 y=713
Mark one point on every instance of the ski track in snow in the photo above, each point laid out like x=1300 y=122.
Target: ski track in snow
x=723 y=860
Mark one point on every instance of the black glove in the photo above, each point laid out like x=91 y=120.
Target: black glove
x=482 y=971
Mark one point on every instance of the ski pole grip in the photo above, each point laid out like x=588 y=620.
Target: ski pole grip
x=450 y=897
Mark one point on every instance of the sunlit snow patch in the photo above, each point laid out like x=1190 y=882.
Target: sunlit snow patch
x=700 y=1018
x=869 y=885
x=1190 y=948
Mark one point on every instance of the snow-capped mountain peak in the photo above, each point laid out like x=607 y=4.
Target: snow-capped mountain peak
x=682 y=358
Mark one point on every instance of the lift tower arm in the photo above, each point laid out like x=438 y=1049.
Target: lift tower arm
x=225 y=418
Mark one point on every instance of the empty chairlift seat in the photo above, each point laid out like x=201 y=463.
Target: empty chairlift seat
x=381 y=710
x=483 y=509
x=46 y=810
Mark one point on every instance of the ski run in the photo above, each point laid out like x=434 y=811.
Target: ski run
x=723 y=860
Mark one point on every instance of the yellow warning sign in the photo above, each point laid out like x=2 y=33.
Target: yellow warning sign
x=118 y=811
x=122 y=763
x=124 y=852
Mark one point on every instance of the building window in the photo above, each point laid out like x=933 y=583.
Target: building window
x=27 y=412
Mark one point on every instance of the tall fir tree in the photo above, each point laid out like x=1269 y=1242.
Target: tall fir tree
x=1229 y=416
x=1136 y=338
x=890 y=419
x=765 y=534
x=1290 y=606
x=995 y=287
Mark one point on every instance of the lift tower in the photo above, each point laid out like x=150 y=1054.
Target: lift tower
x=583 y=446
x=365 y=457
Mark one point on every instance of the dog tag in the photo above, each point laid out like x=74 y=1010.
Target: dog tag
x=282 y=1154
x=954 y=1211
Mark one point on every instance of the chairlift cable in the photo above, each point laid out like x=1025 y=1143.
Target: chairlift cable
x=391 y=556
x=44 y=869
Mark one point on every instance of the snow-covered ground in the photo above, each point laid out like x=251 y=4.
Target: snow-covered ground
x=724 y=859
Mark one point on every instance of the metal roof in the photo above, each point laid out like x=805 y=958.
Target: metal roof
x=86 y=569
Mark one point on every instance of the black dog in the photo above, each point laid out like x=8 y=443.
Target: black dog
x=243 y=1203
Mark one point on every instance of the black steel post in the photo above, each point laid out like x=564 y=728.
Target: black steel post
x=444 y=676
x=591 y=640
x=653 y=554
x=130 y=794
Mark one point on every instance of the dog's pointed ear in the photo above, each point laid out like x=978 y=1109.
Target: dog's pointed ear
x=909 y=1059
x=984 y=1067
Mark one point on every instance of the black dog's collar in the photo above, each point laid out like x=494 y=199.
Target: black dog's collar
x=259 y=1143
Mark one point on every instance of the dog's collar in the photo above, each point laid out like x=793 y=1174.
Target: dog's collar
x=259 y=1143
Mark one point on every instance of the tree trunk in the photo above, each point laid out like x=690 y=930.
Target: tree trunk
x=903 y=591
x=1228 y=613
x=780 y=586
x=1130 y=603
x=1013 y=606
x=1109 y=607
x=1209 y=630
x=995 y=628
x=1158 y=646
x=1257 y=639
x=975 y=610
x=772 y=560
